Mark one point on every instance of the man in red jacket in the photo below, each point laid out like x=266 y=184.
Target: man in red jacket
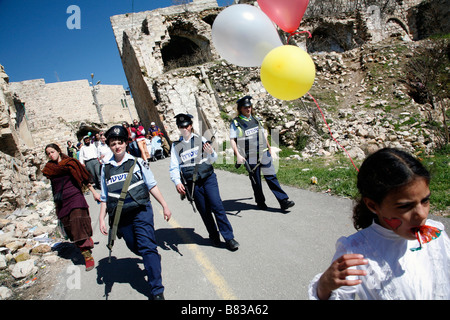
x=139 y=135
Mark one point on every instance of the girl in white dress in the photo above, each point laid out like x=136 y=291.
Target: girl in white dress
x=398 y=253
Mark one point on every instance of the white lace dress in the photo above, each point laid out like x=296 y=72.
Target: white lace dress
x=395 y=272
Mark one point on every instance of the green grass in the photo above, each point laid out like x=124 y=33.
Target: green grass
x=439 y=166
x=337 y=176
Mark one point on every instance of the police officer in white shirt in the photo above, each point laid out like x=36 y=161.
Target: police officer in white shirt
x=192 y=156
x=250 y=145
x=136 y=224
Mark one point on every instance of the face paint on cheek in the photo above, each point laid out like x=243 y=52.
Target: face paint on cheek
x=394 y=223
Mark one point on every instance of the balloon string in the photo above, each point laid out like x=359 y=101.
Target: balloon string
x=299 y=32
x=323 y=116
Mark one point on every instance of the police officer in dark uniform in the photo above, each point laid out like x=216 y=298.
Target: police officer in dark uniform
x=136 y=224
x=249 y=143
x=191 y=159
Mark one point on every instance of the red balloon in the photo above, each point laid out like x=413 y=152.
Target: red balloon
x=287 y=14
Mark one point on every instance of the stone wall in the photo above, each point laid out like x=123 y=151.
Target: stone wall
x=33 y=114
x=144 y=40
x=158 y=95
x=56 y=112
x=9 y=139
x=19 y=164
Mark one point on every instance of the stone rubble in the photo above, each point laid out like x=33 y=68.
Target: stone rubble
x=364 y=114
x=27 y=237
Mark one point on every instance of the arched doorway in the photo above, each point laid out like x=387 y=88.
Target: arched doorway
x=84 y=131
x=186 y=48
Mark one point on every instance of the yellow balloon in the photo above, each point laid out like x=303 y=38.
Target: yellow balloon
x=287 y=72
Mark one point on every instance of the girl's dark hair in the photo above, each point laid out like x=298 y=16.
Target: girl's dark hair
x=54 y=146
x=382 y=172
x=57 y=148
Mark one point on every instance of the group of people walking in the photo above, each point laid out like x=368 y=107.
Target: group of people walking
x=141 y=141
x=393 y=210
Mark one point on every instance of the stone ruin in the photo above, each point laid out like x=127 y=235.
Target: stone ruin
x=34 y=114
x=172 y=66
x=19 y=164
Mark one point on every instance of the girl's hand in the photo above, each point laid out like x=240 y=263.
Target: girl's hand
x=167 y=214
x=335 y=276
x=181 y=189
x=96 y=196
x=240 y=159
x=103 y=228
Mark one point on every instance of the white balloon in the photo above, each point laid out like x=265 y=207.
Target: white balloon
x=244 y=35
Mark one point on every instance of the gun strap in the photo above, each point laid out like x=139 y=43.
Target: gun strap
x=118 y=211
x=196 y=162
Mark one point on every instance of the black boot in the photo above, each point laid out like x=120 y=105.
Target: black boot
x=286 y=204
x=232 y=245
x=159 y=296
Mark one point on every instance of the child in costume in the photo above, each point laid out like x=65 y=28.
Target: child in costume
x=399 y=254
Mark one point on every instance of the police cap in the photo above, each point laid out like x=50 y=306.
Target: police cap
x=116 y=132
x=183 y=119
x=244 y=102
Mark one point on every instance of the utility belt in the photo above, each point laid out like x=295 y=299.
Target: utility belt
x=200 y=176
x=87 y=161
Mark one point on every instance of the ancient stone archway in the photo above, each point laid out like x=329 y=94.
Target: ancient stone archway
x=186 y=47
x=329 y=37
x=395 y=27
x=84 y=131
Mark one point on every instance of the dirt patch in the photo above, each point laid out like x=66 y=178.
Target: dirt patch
x=41 y=285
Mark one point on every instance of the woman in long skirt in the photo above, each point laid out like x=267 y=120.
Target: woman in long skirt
x=68 y=177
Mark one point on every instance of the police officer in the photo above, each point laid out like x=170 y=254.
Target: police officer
x=136 y=224
x=192 y=157
x=249 y=143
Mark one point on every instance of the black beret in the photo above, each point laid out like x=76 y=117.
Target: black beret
x=244 y=101
x=183 y=119
x=116 y=132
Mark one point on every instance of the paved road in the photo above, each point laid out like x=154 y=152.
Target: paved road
x=278 y=256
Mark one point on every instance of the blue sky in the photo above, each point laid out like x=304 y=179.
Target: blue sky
x=36 y=43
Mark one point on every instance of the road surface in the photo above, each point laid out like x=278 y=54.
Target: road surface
x=278 y=256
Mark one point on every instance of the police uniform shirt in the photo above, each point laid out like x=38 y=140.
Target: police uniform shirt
x=147 y=174
x=175 y=160
x=234 y=130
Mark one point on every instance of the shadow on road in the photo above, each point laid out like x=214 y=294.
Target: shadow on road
x=125 y=270
x=170 y=239
x=69 y=251
x=236 y=206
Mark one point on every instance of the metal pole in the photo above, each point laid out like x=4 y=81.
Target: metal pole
x=94 y=94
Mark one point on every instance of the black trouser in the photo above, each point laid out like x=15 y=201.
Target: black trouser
x=93 y=167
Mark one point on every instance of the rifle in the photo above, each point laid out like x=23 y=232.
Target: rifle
x=187 y=195
x=190 y=196
x=251 y=172
x=210 y=141
x=110 y=245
